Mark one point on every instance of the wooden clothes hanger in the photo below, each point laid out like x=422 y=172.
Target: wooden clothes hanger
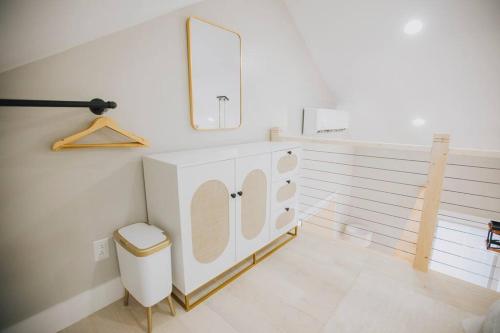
x=97 y=124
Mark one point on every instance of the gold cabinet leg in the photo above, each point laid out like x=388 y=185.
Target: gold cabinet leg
x=125 y=298
x=171 y=305
x=187 y=306
x=295 y=231
x=185 y=300
x=150 y=319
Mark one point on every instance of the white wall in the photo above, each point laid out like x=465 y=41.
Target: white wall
x=54 y=204
x=449 y=74
x=32 y=30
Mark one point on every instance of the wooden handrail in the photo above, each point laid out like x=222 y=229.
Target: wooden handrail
x=279 y=136
x=356 y=143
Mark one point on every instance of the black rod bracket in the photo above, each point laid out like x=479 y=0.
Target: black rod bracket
x=97 y=105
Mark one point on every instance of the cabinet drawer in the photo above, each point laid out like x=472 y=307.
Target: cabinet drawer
x=283 y=220
x=286 y=163
x=284 y=191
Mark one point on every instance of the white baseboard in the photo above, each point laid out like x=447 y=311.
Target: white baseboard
x=70 y=311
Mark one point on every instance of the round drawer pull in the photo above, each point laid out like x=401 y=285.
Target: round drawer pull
x=240 y=193
x=289 y=152
x=233 y=195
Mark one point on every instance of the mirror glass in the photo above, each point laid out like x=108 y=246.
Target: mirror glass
x=214 y=55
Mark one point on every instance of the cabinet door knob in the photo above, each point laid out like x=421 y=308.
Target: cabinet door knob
x=233 y=195
x=240 y=193
x=288 y=181
x=287 y=209
x=289 y=152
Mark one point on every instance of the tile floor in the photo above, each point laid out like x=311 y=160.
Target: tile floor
x=315 y=283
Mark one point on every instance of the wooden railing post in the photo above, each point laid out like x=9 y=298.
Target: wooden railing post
x=275 y=134
x=432 y=199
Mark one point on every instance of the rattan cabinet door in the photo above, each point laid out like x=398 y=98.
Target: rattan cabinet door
x=253 y=185
x=209 y=226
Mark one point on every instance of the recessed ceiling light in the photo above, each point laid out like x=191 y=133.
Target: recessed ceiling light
x=413 y=27
x=417 y=122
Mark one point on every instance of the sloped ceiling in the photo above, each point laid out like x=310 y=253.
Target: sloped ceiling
x=448 y=74
x=34 y=29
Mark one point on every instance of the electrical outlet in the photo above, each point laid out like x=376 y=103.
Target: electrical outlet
x=101 y=249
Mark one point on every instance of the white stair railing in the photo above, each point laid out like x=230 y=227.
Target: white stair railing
x=427 y=204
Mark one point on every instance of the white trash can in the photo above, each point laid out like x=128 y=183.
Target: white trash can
x=145 y=267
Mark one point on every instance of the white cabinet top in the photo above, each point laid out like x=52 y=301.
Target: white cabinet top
x=207 y=155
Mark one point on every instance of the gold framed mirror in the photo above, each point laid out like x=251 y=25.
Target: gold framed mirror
x=215 y=69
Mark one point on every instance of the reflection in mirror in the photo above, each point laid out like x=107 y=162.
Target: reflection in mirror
x=214 y=55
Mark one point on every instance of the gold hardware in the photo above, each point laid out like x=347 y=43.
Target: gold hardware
x=141 y=252
x=187 y=305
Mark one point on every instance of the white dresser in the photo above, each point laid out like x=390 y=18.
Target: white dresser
x=221 y=205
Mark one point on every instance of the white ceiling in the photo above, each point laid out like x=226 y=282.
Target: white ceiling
x=448 y=74
x=34 y=29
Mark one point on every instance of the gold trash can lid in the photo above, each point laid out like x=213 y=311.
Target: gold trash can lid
x=141 y=239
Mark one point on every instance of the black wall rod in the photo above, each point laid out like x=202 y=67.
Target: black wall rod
x=97 y=105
